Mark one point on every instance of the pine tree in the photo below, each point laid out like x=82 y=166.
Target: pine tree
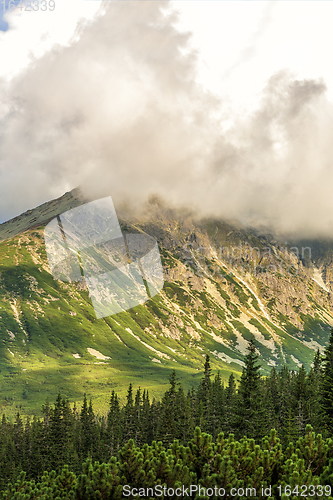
x=57 y=438
x=68 y=430
x=114 y=427
x=128 y=416
x=204 y=397
x=286 y=411
x=250 y=409
x=230 y=399
x=317 y=364
x=217 y=405
x=87 y=428
x=131 y=464
x=201 y=452
x=314 y=380
x=146 y=425
x=93 y=433
x=327 y=385
x=40 y=461
x=168 y=428
x=301 y=395
x=189 y=416
x=6 y=453
x=27 y=447
x=138 y=418
x=19 y=440
x=273 y=399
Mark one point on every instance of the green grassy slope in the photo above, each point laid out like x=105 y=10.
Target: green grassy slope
x=209 y=304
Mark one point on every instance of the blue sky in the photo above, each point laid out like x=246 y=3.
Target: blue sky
x=3 y=24
x=4 y=7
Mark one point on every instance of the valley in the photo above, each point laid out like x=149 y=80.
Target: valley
x=224 y=283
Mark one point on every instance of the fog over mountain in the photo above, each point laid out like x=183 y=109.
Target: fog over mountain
x=117 y=111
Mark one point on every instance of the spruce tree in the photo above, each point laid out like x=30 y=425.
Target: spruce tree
x=314 y=380
x=58 y=435
x=138 y=418
x=146 y=425
x=273 y=399
x=317 y=364
x=301 y=395
x=27 y=446
x=250 y=408
x=217 y=406
x=114 y=427
x=6 y=451
x=327 y=385
x=204 y=398
x=19 y=440
x=40 y=461
x=87 y=428
x=287 y=407
x=168 y=418
x=129 y=416
x=230 y=398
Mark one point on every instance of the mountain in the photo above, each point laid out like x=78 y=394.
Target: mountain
x=224 y=282
x=41 y=215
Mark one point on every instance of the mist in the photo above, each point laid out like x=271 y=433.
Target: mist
x=117 y=111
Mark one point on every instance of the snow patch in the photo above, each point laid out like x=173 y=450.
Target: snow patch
x=313 y=344
x=269 y=343
x=13 y=305
x=117 y=337
x=218 y=339
x=11 y=335
x=242 y=344
x=295 y=360
x=97 y=354
x=76 y=355
x=227 y=358
x=318 y=278
x=173 y=350
x=160 y=354
x=261 y=305
x=212 y=290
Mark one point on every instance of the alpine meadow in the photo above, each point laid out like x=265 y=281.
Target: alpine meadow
x=222 y=379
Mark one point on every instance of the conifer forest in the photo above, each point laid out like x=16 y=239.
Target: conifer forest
x=264 y=437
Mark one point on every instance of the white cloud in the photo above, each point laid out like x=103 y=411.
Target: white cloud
x=241 y=44
x=32 y=34
x=115 y=105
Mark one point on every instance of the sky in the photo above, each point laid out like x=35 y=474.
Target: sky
x=221 y=106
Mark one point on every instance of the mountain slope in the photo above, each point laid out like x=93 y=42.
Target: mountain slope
x=223 y=283
x=41 y=215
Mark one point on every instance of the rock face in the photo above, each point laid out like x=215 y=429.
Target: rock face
x=223 y=284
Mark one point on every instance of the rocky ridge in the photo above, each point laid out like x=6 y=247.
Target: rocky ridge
x=223 y=283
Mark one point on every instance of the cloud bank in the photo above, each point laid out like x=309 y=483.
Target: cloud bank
x=117 y=111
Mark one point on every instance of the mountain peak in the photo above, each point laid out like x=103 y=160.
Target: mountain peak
x=41 y=215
